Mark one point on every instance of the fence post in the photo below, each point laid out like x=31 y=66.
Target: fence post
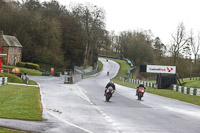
x=182 y=89
x=177 y=88
x=188 y=90
x=195 y=91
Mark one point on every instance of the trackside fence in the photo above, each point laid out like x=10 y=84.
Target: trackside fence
x=91 y=72
x=3 y=80
x=186 y=90
x=137 y=81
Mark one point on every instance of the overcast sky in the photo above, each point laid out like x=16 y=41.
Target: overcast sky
x=160 y=16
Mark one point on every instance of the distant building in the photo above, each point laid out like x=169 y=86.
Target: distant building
x=12 y=47
x=198 y=57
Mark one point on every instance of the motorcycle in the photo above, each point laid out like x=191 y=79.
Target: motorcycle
x=107 y=73
x=140 y=93
x=108 y=94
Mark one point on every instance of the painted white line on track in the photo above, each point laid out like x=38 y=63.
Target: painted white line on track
x=107 y=117
x=61 y=118
x=104 y=114
x=67 y=122
x=183 y=111
x=114 y=124
x=110 y=120
x=119 y=128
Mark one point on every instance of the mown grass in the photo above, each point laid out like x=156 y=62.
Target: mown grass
x=31 y=72
x=15 y=79
x=6 y=130
x=123 y=70
x=191 y=83
x=20 y=102
x=161 y=92
x=100 y=66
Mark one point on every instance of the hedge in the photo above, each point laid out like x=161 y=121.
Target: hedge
x=21 y=64
x=28 y=65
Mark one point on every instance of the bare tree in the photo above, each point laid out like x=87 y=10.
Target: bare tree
x=195 y=48
x=179 y=41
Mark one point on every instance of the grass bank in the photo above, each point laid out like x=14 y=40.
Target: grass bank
x=20 y=102
x=15 y=79
x=191 y=83
x=6 y=130
x=31 y=72
x=161 y=92
x=100 y=66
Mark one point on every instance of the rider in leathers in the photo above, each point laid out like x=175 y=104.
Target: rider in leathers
x=110 y=84
x=140 y=85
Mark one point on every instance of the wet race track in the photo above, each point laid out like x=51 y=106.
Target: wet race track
x=81 y=108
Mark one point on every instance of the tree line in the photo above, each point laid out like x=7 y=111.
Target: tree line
x=141 y=47
x=54 y=36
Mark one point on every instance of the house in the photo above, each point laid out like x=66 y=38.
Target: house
x=12 y=47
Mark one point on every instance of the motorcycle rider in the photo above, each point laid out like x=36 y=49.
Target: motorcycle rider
x=107 y=73
x=110 y=84
x=140 y=85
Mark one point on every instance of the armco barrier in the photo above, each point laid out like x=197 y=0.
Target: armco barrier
x=91 y=72
x=186 y=90
x=137 y=81
x=3 y=80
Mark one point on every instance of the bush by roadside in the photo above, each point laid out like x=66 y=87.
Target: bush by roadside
x=31 y=72
x=28 y=65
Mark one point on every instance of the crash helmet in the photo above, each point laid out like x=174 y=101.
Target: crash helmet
x=112 y=83
x=141 y=83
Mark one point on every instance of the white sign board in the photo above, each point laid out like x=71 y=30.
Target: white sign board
x=161 y=69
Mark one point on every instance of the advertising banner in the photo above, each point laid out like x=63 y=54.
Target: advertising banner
x=52 y=70
x=161 y=69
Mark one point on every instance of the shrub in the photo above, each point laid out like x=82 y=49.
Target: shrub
x=32 y=66
x=21 y=64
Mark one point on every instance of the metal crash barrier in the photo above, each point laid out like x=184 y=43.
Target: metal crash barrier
x=68 y=77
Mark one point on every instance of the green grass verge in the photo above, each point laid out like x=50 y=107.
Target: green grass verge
x=20 y=102
x=15 y=79
x=162 y=92
x=6 y=130
x=191 y=83
x=31 y=72
x=123 y=70
x=100 y=66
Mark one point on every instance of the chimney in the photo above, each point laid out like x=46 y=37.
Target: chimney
x=15 y=35
x=1 y=32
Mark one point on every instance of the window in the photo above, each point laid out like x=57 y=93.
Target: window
x=19 y=50
x=18 y=59
x=10 y=59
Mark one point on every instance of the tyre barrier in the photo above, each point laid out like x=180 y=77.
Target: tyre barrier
x=137 y=81
x=3 y=80
x=186 y=90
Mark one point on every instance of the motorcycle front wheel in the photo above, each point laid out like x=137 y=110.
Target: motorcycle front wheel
x=107 y=97
x=139 y=97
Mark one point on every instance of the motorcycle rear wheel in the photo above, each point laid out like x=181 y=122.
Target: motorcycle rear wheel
x=108 y=97
x=139 y=97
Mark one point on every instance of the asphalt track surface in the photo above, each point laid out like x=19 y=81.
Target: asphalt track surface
x=81 y=108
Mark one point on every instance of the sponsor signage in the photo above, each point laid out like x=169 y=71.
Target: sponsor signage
x=161 y=69
x=52 y=70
